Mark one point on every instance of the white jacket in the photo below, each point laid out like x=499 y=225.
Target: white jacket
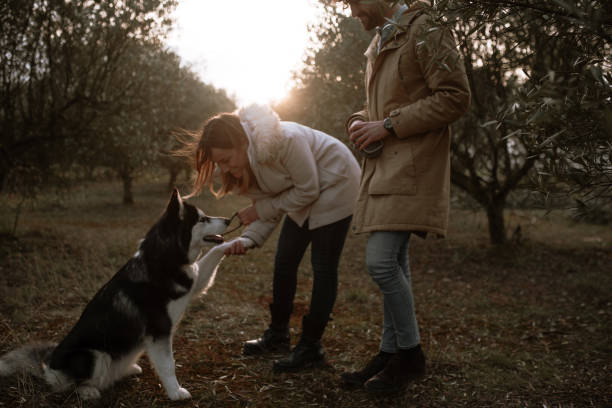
x=300 y=171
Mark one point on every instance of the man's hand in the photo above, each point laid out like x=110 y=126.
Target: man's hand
x=248 y=215
x=363 y=133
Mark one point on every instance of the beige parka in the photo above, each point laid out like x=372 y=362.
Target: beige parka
x=407 y=187
x=302 y=172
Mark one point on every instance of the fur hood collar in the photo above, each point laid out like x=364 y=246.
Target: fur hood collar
x=262 y=126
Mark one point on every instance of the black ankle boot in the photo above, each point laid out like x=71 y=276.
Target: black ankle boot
x=307 y=353
x=405 y=366
x=376 y=364
x=272 y=341
x=276 y=337
x=304 y=355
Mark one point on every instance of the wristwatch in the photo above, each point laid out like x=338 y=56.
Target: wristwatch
x=387 y=124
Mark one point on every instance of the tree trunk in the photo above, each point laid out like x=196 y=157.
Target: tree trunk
x=128 y=196
x=497 y=226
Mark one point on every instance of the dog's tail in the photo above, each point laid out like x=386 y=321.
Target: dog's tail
x=30 y=359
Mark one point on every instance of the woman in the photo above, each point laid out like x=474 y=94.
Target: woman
x=284 y=168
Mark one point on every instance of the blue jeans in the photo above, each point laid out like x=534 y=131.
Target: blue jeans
x=388 y=265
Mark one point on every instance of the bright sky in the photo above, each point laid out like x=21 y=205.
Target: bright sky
x=248 y=47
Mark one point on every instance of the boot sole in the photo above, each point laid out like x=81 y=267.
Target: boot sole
x=263 y=351
x=351 y=385
x=307 y=366
x=393 y=390
x=348 y=381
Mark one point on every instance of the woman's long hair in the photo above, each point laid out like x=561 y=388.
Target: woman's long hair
x=222 y=131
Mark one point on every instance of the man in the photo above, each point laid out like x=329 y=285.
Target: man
x=415 y=87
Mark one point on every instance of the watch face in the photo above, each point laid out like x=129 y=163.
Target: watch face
x=387 y=123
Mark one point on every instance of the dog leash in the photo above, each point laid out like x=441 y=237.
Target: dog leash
x=230 y=221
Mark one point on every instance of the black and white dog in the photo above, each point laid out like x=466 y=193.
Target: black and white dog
x=137 y=311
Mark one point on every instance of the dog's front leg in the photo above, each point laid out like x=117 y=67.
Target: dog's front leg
x=207 y=265
x=160 y=354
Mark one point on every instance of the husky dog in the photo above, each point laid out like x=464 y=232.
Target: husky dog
x=137 y=311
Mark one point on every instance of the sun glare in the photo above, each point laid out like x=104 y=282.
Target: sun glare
x=247 y=47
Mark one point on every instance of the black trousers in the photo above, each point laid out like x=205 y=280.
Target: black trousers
x=327 y=243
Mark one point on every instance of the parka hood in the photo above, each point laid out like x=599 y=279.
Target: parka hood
x=262 y=126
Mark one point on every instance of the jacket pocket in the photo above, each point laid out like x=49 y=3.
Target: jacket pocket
x=394 y=172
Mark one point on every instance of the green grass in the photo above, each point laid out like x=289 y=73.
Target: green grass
x=523 y=326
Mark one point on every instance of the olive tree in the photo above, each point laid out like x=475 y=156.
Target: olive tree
x=57 y=64
x=159 y=96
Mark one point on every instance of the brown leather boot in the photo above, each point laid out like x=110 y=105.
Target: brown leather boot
x=356 y=379
x=404 y=367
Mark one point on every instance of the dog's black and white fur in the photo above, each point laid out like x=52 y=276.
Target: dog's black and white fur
x=137 y=311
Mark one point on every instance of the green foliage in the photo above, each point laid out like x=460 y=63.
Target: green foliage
x=88 y=84
x=542 y=96
x=154 y=96
x=330 y=86
x=57 y=62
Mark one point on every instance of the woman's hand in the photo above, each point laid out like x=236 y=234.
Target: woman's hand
x=236 y=249
x=248 y=215
x=239 y=246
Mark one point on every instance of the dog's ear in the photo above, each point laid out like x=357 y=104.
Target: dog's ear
x=175 y=206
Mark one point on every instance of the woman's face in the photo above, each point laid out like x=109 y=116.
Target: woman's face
x=233 y=160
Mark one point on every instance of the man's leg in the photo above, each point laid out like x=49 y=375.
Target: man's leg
x=388 y=265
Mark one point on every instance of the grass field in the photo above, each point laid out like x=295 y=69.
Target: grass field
x=523 y=326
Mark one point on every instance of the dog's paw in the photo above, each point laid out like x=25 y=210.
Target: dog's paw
x=134 y=369
x=247 y=242
x=179 y=394
x=87 y=392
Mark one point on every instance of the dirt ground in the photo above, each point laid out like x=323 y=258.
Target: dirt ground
x=527 y=325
